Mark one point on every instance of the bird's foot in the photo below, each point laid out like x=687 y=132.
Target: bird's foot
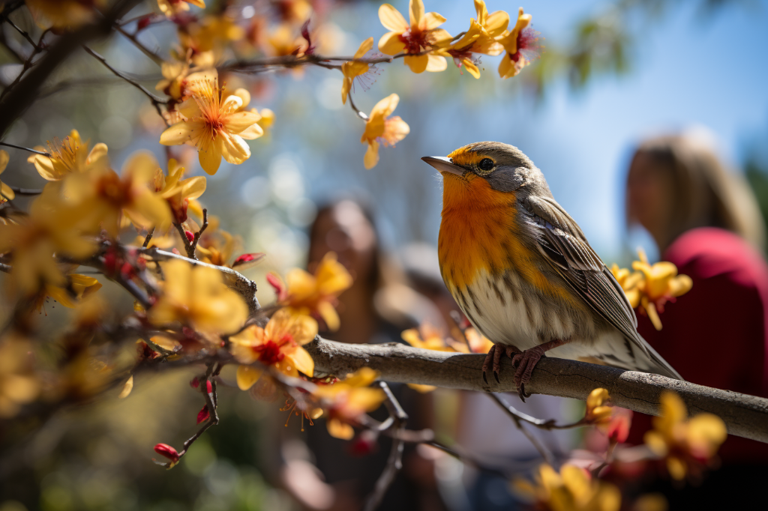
x=493 y=360
x=526 y=361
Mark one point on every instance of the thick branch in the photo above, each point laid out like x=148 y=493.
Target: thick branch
x=745 y=416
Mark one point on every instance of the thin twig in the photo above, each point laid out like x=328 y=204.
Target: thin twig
x=184 y=239
x=357 y=111
x=135 y=40
x=193 y=245
x=395 y=461
x=25 y=191
x=28 y=149
x=148 y=238
x=211 y=402
x=25 y=35
x=37 y=48
x=156 y=102
x=518 y=422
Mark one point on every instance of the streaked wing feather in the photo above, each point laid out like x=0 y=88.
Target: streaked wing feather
x=565 y=247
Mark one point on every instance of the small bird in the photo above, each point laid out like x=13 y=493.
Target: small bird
x=523 y=272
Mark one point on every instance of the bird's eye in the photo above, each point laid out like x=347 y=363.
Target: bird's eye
x=486 y=164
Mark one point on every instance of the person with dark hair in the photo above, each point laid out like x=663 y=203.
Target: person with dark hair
x=706 y=221
x=332 y=474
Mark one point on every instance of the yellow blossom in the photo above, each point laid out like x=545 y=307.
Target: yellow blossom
x=347 y=400
x=381 y=128
x=481 y=38
x=570 y=490
x=217 y=126
x=177 y=191
x=199 y=298
x=77 y=287
x=416 y=39
x=630 y=282
x=687 y=444
x=284 y=41
x=520 y=43
x=598 y=410
x=69 y=156
x=425 y=337
x=211 y=34
x=62 y=13
x=661 y=283
x=278 y=345
x=6 y=193
x=18 y=383
x=101 y=197
x=353 y=69
x=50 y=228
x=172 y=7
x=316 y=294
x=216 y=245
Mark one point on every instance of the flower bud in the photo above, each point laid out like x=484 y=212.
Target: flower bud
x=168 y=452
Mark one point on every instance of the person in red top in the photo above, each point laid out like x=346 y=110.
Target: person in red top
x=706 y=221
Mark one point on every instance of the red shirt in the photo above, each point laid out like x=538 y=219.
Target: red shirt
x=716 y=334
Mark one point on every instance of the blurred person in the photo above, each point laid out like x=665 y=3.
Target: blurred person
x=325 y=473
x=706 y=221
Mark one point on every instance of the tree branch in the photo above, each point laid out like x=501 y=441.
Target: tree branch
x=745 y=416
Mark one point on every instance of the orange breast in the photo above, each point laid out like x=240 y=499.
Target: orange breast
x=479 y=233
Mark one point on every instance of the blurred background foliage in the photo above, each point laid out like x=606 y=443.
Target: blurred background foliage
x=611 y=72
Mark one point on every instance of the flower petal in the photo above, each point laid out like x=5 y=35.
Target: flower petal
x=392 y=19
x=247 y=376
x=239 y=121
x=390 y=44
x=4 y=158
x=418 y=64
x=436 y=63
x=371 y=155
x=497 y=23
x=210 y=158
x=303 y=361
x=181 y=133
x=431 y=21
x=416 y=9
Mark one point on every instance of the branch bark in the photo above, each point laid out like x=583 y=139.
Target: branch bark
x=745 y=416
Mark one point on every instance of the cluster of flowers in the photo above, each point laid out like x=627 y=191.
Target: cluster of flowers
x=651 y=285
x=679 y=446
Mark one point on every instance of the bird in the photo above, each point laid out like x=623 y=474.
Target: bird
x=524 y=274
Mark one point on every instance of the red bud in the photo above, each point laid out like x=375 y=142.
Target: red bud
x=202 y=415
x=195 y=383
x=277 y=285
x=144 y=22
x=363 y=444
x=189 y=235
x=248 y=258
x=168 y=452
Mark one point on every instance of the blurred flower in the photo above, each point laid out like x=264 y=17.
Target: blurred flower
x=50 y=228
x=380 y=128
x=77 y=287
x=217 y=246
x=267 y=119
x=521 y=45
x=425 y=337
x=69 y=156
x=284 y=41
x=172 y=7
x=18 y=383
x=279 y=345
x=598 y=410
x=316 y=294
x=420 y=36
x=197 y=297
x=617 y=430
x=100 y=197
x=175 y=190
x=215 y=125
x=661 y=284
x=354 y=69
x=347 y=400
x=481 y=38
x=630 y=282
x=571 y=490
x=61 y=14
x=210 y=34
x=687 y=444
x=292 y=11
x=6 y=193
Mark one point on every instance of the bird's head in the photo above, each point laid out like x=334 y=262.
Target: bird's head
x=485 y=165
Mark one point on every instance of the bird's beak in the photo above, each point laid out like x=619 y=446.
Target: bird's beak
x=444 y=165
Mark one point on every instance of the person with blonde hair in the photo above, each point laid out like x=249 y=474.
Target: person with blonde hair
x=705 y=220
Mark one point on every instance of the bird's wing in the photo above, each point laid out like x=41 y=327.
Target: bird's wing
x=566 y=249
